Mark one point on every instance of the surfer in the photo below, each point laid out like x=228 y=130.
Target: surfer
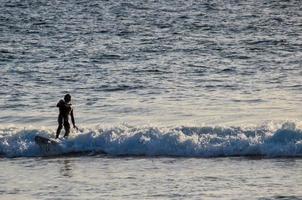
x=65 y=109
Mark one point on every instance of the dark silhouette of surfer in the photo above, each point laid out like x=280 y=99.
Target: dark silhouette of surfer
x=65 y=108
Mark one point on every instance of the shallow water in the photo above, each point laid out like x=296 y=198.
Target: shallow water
x=100 y=177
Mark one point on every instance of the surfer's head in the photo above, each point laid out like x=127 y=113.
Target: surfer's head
x=67 y=98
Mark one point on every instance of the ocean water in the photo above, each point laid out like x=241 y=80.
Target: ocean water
x=174 y=99
x=98 y=177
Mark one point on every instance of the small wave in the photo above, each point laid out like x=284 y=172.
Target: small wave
x=266 y=42
x=208 y=142
x=121 y=87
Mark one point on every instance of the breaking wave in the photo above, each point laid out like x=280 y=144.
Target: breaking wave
x=265 y=141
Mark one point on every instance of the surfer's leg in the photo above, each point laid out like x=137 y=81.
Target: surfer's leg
x=60 y=125
x=67 y=128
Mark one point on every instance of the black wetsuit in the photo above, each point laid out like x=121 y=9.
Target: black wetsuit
x=65 y=110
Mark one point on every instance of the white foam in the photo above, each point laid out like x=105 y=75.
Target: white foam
x=151 y=141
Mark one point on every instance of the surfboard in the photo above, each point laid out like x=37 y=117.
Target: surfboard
x=43 y=140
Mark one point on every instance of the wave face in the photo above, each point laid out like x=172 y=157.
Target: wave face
x=285 y=141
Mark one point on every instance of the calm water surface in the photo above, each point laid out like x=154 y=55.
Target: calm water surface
x=99 y=177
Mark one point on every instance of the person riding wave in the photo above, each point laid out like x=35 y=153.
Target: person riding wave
x=65 y=109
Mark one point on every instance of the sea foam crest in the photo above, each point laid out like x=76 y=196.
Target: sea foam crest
x=285 y=141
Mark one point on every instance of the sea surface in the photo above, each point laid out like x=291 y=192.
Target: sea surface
x=97 y=177
x=173 y=99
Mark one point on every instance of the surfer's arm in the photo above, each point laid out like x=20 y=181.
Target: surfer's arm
x=72 y=119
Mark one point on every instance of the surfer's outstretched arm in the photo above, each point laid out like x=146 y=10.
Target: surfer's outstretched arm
x=72 y=120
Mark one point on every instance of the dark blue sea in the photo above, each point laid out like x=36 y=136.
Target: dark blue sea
x=173 y=99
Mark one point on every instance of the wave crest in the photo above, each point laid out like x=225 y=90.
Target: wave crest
x=285 y=141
